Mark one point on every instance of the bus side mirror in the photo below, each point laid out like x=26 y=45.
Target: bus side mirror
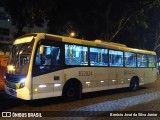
x=41 y=49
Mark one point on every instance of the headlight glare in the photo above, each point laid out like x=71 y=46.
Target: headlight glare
x=22 y=82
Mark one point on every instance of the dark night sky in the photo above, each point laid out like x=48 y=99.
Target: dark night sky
x=135 y=20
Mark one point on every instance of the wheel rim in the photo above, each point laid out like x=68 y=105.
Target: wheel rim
x=71 y=92
x=135 y=86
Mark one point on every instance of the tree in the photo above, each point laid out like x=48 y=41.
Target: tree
x=154 y=23
x=116 y=14
x=27 y=13
x=108 y=20
x=153 y=34
x=61 y=18
x=100 y=19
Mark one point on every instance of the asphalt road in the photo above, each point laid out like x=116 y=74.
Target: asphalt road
x=98 y=104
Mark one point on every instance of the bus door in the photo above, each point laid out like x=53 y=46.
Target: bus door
x=47 y=70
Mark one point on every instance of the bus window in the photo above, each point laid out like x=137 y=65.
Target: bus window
x=151 y=61
x=142 y=60
x=48 y=60
x=76 y=55
x=115 y=58
x=98 y=57
x=130 y=59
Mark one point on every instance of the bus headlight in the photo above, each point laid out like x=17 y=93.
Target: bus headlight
x=22 y=82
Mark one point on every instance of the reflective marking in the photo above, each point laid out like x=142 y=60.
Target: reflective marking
x=35 y=89
x=88 y=82
x=42 y=86
x=113 y=80
x=57 y=85
x=65 y=77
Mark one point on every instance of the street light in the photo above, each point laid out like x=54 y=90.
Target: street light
x=72 y=34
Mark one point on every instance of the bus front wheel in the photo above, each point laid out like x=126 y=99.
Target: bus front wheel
x=72 y=91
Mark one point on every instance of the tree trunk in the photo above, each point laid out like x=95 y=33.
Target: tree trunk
x=108 y=27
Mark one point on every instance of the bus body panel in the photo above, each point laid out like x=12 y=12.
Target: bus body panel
x=92 y=79
x=103 y=78
x=23 y=93
x=48 y=85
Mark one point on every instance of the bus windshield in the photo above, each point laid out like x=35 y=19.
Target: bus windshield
x=19 y=58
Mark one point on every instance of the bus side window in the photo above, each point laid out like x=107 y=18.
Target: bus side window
x=142 y=60
x=47 y=61
x=151 y=61
x=38 y=58
x=130 y=59
x=55 y=56
x=115 y=58
x=98 y=57
x=76 y=55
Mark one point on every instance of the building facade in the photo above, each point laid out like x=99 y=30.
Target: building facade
x=8 y=31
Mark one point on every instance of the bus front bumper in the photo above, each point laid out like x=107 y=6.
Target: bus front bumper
x=22 y=93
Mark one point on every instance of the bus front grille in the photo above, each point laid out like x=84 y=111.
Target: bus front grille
x=10 y=84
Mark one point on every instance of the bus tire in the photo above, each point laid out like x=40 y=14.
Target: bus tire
x=72 y=90
x=134 y=84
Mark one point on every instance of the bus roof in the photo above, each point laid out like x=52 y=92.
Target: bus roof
x=95 y=43
x=99 y=43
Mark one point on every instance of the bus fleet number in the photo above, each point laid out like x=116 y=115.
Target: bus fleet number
x=85 y=73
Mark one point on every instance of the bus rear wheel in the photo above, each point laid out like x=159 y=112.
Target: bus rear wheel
x=72 y=92
x=134 y=84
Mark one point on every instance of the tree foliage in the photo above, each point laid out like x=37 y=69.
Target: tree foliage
x=100 y=19
x=126 y=21
x=27 y=13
